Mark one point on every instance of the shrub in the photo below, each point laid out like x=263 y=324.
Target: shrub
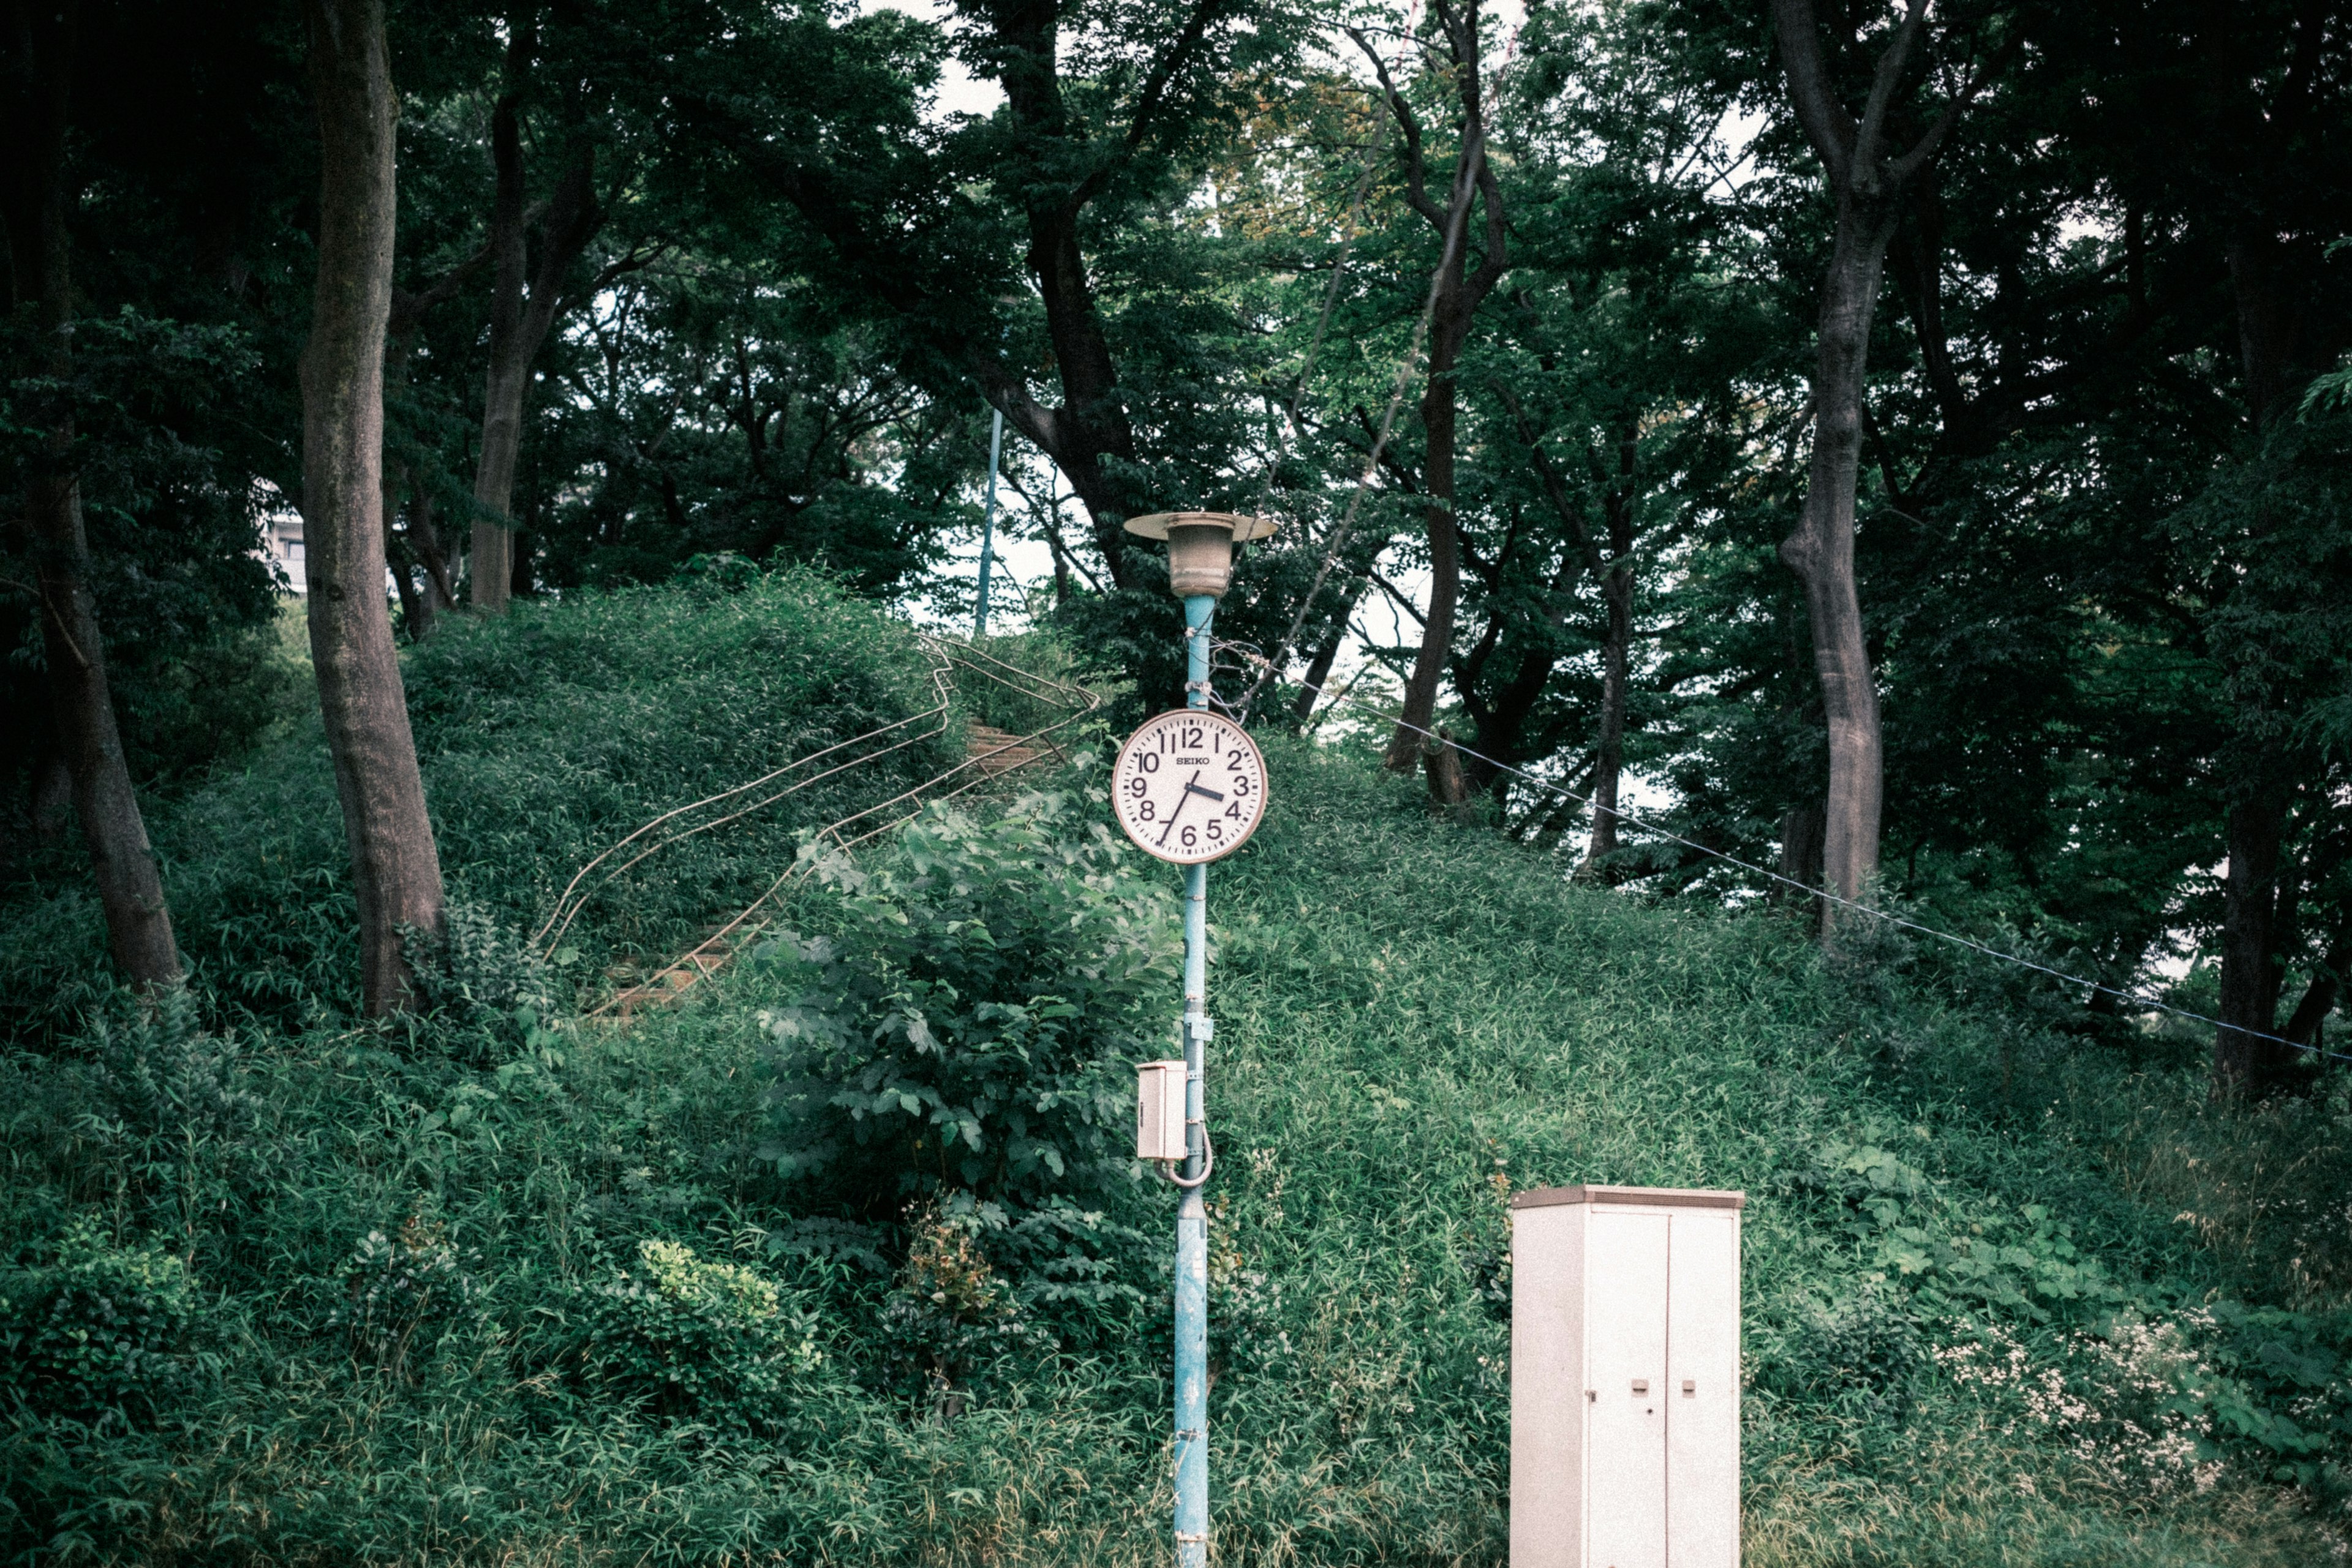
x=166 y=1080
x=714 y=1342
x=398 y=1289
x=949 y=1306
x=491 y=988
x=957 y=1025
x=1863 y=1356
x=101 y=1328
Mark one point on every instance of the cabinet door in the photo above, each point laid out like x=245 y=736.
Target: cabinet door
x=1703 y=1391
x=1625 y=1359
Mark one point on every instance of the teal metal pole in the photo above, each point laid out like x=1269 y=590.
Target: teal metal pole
x=1191 y=1217
x=988 y=524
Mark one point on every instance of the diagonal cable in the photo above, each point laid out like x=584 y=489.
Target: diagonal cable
x=1823 y=893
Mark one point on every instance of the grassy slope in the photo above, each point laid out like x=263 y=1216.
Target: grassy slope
x=1414 y=1019
x=1411 y=1012
x=543 y=737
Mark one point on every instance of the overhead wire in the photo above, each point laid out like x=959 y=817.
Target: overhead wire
x=1856 y=906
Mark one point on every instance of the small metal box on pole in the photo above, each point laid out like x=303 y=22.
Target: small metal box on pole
x=1160 y=1110
x=1625 y=1378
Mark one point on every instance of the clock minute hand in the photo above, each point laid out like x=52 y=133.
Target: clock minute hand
x=1192 y=786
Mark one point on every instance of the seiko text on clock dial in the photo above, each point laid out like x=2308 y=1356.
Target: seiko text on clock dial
x=1189 y=786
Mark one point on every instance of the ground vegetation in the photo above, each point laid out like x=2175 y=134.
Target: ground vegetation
x=841 y=1258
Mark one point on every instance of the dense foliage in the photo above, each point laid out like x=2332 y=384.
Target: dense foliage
x=2002 y=485
x=477 y=1287
x=950 y=1027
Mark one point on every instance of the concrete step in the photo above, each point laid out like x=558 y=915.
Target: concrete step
x=999 y=752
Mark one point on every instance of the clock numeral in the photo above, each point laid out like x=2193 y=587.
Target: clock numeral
x=1233 y=761
x=1234 y=811
x=1216 y=832
x=1241 y=785
x=1148 y=761
x=1188 y=836
x=1195 y=738
x=1144 y=810
x=1136 y=786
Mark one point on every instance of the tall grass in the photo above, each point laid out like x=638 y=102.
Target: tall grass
x=400 y=1244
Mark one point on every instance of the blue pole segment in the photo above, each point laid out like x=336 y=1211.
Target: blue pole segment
x=1191 y=1216
x=1199 y=611
x=988 y=524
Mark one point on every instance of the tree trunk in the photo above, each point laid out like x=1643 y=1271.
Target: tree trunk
x=1089 y=437
x=1061 y=567
x=1318 y=671
x=413 y=613
x=130 y=884
x=2269 y=318
x=1868 y=182
x=1091 y=425
x=1447 y=786
x=1801 y=849
x=1821 y=551
x=395 y=868
x=1460 y=289
x=2319 y=995
x=1617 y=594
x=520 y=323
x=2243 y=1064
x=1608 y=760
x=1419 y=715
x=1501 y=721
x=424 y=541
x=417 y=545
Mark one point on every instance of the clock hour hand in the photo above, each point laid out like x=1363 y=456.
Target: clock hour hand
x=1192 y=786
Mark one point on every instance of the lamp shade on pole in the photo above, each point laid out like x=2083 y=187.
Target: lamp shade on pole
x=1200 y=546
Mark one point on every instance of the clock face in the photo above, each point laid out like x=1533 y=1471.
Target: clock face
x=1189 y=786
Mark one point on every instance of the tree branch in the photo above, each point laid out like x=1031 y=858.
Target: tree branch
x=1882 y=83
x=1417 y=174
x=1555 y=485
x=1148 y=103
x=635 y=260
x=408 y=309
x=1912 y=161
x=1825 y=122
x=1397 y=595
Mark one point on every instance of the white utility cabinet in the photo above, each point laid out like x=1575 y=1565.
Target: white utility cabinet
x=1625 y=1378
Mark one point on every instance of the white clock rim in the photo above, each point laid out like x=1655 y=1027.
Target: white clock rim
x=1249 y=829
